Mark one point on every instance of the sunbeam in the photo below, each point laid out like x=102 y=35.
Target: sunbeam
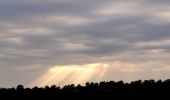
x=73 y=74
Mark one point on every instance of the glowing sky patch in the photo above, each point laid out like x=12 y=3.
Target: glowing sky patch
x=73 y=74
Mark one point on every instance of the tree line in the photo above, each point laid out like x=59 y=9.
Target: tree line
x=136 y=90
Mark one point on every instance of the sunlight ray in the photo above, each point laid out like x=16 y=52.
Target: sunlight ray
x=73 y=74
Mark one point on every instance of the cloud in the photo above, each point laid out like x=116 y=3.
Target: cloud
x=36 y=35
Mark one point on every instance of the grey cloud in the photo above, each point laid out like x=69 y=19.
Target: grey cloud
x=70 y=32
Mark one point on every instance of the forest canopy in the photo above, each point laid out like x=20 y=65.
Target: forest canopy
x=136 y=90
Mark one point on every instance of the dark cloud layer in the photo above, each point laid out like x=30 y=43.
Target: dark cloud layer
x=37 y=35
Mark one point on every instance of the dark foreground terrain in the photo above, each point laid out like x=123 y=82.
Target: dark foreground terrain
x=136 y=90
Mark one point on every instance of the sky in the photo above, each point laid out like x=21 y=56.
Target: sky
x=45 y=42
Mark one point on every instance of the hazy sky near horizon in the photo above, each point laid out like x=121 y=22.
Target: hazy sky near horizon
x=44 y=42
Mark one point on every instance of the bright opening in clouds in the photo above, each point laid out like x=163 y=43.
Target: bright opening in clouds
x=86 y=40
x=75 y=74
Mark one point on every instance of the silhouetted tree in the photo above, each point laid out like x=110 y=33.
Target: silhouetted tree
x=20 y=87
x=136 y=90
